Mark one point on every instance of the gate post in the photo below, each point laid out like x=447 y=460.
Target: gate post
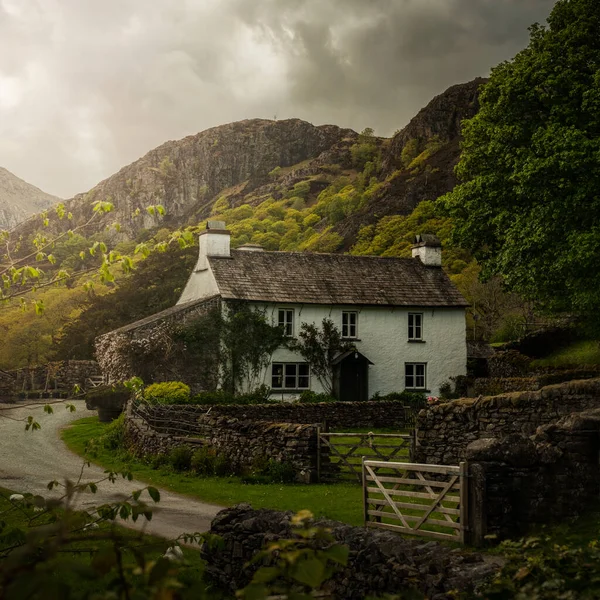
x=476 y=518
x=318 y=453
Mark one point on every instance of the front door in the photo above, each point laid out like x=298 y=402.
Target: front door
x=352 y=378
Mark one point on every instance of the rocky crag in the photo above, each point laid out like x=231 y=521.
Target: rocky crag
x=19 y=200
x=249 y=161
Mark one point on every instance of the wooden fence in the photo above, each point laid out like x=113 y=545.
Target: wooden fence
x=340 y=454
x=423 y=500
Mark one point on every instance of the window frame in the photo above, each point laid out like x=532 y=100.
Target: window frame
x=349 y=325
x=291 y=324
x=284 y=375
x=415 y=375
x=413 y=326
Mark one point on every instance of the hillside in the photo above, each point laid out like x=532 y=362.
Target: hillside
x=287 y=185
x=19 y=200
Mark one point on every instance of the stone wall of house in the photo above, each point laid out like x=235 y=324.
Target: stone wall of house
x=379 y=562
x=8 y=387
x=59 y=375
x=148 y=349
x=444 y=431
x=518 y=481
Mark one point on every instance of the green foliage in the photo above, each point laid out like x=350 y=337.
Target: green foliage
x=299 y=566
x=114 y=435
x=318 y=346
x=180 y=458
x=580 y=353
x=414 y=399
x=310 y=397
x=248 y=342
x=167 y=392
x=540 y=568
x=107 y=396
x=528 y=206
x=260 y=395
x=203 y=461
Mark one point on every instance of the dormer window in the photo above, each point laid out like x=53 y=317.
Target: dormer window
x=286 y=321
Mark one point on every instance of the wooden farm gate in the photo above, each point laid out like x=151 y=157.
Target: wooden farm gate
x=341 y=454
x=423 y=500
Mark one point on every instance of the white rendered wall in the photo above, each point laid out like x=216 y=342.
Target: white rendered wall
x=383 y=339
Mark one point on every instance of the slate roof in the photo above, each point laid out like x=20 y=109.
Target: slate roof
x=306 y=278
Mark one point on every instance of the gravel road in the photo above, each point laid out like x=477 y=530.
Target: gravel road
x=29 y=460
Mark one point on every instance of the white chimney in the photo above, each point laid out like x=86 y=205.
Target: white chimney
x=428 y=248
x=214 y=241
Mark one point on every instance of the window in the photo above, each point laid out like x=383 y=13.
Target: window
x=290 y=376
x=349 y=324
x=415 y=326
x=286 y=320
x=414 y=376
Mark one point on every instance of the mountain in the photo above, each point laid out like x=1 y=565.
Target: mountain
x=19 y=200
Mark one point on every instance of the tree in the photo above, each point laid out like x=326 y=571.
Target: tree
x=529 y=202
x=319 y=347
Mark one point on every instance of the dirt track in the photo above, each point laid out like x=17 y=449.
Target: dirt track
x=29 y=460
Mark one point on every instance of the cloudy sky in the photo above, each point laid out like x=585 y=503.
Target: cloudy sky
x=87 y=86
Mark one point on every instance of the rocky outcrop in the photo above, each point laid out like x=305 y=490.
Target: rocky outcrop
x=379 y=562
x=187 y=176
x=19 y=200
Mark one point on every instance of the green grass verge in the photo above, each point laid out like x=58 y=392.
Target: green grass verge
x=577 y=354
x=339 y=501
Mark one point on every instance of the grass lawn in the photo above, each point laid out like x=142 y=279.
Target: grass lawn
x=579 y=353
x=339 y=501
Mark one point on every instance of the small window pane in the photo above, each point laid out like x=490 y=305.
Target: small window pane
x=349 y=324
x=277 y=376
x=290 y=376
x=415 y=326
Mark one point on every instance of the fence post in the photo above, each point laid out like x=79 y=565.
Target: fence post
x=477 y=518
x=319 y=453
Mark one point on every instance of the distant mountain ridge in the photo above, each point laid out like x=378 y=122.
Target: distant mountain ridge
x=19 y=200
x=246 y=162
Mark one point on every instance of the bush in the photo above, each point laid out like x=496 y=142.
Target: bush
x=203 y=461
x=107 y=396
x=310 y=397
x=414 y=399
x=180 y=458
x=281 y=472
x=167 y=392
x=114 y=434
x=258 y=396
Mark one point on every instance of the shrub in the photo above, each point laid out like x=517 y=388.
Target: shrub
x=168 y=392
x=415 y=399
x=106 y=396
x=203 y=461
x=310 y=397
x=180 y=458
x=258 y=396
x=281 y=472
x=114 y=434
x=223 y=466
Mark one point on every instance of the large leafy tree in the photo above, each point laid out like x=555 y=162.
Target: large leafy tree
x=528 y=206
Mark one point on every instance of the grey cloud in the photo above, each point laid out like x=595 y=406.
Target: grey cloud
x=86 y=87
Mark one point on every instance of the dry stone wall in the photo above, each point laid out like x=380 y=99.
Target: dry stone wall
x=56 y=375
x=444 y=431
x=518 y=481
x=379 y=563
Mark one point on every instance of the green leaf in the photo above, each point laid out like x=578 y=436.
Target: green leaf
x=93 y=488
x=337 y=553
x=266 y=574
x=254 y=591
x=310 y=571
x=154 y=494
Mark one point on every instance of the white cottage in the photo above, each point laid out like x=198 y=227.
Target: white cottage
x=404 y=316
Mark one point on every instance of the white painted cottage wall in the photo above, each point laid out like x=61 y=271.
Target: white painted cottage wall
x=383 y=339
